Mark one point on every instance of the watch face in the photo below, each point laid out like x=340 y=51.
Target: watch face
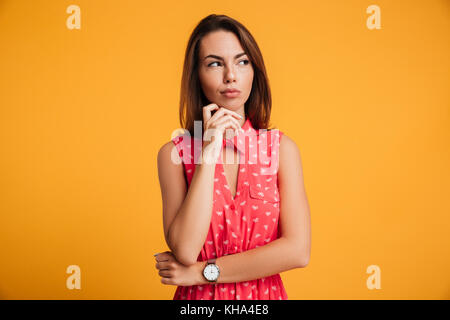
x=211 y=272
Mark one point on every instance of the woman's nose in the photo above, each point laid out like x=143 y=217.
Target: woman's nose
x=230 y=75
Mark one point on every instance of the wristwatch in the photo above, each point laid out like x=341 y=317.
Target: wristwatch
x=211 y=271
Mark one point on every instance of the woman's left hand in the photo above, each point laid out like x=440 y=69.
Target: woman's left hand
x=174 y=273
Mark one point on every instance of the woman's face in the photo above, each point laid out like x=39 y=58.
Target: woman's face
x=223 y=64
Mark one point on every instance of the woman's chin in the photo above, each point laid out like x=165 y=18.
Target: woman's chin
x=229 y=105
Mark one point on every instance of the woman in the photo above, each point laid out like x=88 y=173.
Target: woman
x=231 y=227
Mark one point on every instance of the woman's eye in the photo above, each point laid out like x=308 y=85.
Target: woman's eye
x=210 y=65
x=245 y=62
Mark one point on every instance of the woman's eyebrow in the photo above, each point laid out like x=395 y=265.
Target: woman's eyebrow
x=220 y=58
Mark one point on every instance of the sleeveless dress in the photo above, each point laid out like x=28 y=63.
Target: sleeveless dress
x=248 y=221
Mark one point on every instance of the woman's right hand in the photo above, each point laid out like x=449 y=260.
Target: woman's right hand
x=214 y=128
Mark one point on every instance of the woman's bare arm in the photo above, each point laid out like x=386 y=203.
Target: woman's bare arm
x=186 y=211
x=293 y=248
x=277 y=256
x=186 y=222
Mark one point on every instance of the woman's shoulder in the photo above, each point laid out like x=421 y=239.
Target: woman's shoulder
x=276 y=135
x=181 y=137
x=289 y=153
x=287 y=145
x=176 y=142
x=181 y=148
x=165 y=152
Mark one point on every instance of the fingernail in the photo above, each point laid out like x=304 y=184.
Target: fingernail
x=155 y=254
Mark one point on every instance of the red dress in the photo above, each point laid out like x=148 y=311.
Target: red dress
x=247 y=221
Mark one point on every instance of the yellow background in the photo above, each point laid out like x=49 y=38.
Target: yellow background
x=84 y=112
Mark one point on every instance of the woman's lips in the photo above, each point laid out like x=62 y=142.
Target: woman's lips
x=232 y=94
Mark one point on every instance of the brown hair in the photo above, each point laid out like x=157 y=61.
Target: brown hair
x=192 y=99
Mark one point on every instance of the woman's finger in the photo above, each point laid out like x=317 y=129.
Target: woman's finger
x=214 y=124
x=237 y=125
x=232 y=113
x=207 y=111
x=167 y=281
x=223 y=111
x=164 y=256
x=227 y=124
x=164 y=265
x=218 y=131
x=230 y=122
x=225 y=117
x=165 y=273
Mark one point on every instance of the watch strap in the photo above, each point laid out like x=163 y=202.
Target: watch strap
x=211 y=261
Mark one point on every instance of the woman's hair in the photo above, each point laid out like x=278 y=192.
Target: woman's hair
x=192 y=99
